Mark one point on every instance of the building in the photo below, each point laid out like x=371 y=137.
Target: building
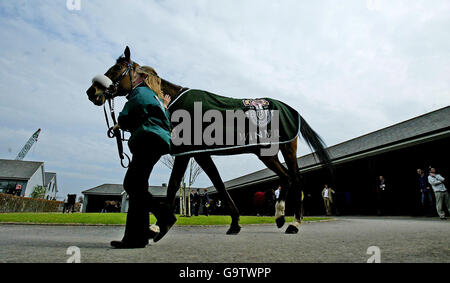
x=394 y=152
x=22 y=177
x=96 y=199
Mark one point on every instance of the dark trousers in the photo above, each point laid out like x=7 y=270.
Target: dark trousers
x=196 y=208
x=141 y=201
x=384 y=203
x=426 y=199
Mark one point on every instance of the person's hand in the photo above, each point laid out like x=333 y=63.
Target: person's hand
x=167 y=100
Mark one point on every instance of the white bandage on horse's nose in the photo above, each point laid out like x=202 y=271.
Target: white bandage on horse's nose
x=102 y=80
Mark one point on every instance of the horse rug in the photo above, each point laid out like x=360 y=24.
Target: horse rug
x=207 y=122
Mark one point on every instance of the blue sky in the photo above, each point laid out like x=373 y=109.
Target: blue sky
x=349 y=67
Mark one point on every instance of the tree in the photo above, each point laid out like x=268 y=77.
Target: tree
x=38 y=192
x=194 y=170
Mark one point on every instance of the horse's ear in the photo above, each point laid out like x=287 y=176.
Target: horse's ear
x=127 y=53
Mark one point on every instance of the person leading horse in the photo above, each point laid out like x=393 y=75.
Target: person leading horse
x=146 y=117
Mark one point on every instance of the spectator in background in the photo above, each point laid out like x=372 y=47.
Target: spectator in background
x=206 y=202
x=196 y=201
x=66 y=203
x=440 y=192
x=191 y=203
x=327 y=195
x=382 y=196
x=276 y=196
x=426 y=197
x=277 y=193
x=18 y=190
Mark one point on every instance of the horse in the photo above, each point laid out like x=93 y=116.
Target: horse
x=120 y=77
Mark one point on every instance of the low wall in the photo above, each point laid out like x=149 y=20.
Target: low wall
x=10 y=203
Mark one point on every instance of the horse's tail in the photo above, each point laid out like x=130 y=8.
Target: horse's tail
x=316 y=144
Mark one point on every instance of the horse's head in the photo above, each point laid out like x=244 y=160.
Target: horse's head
x=117 y=81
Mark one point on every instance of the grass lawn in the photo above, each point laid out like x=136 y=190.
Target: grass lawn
x=120 y=218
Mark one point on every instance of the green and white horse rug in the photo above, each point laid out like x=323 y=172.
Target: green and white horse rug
x=207 y=122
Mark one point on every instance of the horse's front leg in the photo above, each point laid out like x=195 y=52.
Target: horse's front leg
x=207 y=164
x=168 y=212
x=179 y=168
x=274 y=164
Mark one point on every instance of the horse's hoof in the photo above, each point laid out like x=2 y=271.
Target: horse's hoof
x=234 y=230
x=164 y=227
x=292 y=230
x=152 y=234
x=153 y=231
x=280 y=221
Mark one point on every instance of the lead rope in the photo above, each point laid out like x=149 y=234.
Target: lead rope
x=116 y=133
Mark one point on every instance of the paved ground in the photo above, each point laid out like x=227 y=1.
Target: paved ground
x=344 y=240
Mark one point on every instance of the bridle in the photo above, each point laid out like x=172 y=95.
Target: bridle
x=110 y=93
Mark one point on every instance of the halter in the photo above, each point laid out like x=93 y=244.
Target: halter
x=110 y=93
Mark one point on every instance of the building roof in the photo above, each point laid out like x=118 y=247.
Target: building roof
x=18 y=169
x=48 y=177
x=117 y=190
x=105 y=189
x=429 y=126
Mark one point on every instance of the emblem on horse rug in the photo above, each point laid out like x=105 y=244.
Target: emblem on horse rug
x=258 y=111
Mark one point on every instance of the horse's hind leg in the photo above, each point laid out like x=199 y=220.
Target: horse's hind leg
x=168 y=219
x=294 y=196
x=207 y=164
x=274 y=164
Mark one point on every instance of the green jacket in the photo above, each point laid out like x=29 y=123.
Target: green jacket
x=148 y=121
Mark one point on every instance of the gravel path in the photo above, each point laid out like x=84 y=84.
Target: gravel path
x=400 y=239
